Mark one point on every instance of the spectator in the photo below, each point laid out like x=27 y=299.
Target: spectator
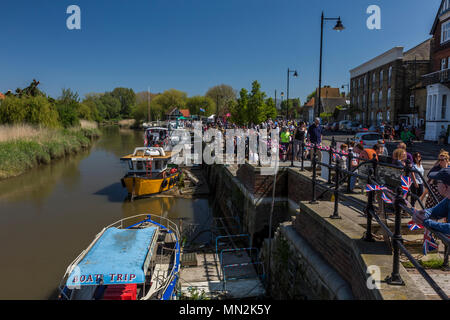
x=315 y=136
x=417 y=186
x=369 y=154
x=409 y=157
x=442 y=210
x=285 y=139
x=399 y=157
x=299 y=138
x=407 y=136
x=443 y=162
x=356 y=153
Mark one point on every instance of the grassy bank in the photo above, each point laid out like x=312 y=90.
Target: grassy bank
x=24 y=147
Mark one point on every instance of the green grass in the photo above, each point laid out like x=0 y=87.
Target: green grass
x=434 y=263
x=19 y=155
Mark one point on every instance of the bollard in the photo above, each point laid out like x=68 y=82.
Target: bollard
x=369 y=210
x=336 y=194
x=314 y=163
x=395 y=278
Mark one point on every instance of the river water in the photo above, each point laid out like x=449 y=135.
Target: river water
x=52 y=213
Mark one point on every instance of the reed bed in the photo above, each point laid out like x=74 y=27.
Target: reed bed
x=23 y=147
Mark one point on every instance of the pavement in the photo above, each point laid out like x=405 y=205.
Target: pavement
x=442 y=278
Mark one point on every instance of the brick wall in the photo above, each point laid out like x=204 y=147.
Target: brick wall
x=337 y=249
x=261 y=185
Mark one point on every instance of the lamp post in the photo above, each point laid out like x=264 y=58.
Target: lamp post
x=348 y=87
x=287 y=98
x=337 y=27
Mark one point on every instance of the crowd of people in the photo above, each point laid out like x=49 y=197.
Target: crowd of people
x=292 y=135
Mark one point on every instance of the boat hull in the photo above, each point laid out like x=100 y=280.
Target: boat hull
x=147 y=186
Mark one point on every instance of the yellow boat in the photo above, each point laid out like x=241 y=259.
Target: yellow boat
x=147 y=172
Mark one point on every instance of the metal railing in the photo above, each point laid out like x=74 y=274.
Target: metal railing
x=399 y=203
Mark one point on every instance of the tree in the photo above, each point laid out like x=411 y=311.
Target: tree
x=222 y=95
x=312 y=95
x=112 y=106
x=67 y=106
x=270 y=110
x=195 y=103
x=239 y=108
x=127 y=100
x=256 y=106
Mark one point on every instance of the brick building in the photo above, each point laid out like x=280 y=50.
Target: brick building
x=385 y=89
x=438 y=81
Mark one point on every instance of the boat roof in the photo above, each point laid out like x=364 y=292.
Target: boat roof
x=156 y=129
x=118 y=257
x=133 y=157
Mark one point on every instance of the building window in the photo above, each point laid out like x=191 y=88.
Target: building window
x=381 y=78
x=443 y=64
x=373 y=99
x=374 y=79
x=390 y=76
x=388 y=103
x=380 y=97
x=444 y=107
x=433 y=108
x=428 y=114
x=364 y=101
x=411 y=101
x=388 y=115
x=445 y=32
x=365 y=80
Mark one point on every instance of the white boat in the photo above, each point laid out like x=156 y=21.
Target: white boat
x=136 y=262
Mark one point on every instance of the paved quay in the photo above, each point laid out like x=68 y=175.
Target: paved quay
x=442 y=278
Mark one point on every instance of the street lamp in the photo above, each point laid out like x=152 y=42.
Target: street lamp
x=346 y=85
x=287 y=98
x=338 y=27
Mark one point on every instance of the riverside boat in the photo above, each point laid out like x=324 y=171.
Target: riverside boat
x=157 y=137
x=148 y=172
x=138 y=262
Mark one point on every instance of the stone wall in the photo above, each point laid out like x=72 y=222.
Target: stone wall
x=298 y=272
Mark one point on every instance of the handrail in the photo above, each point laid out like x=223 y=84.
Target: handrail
x=399 y=205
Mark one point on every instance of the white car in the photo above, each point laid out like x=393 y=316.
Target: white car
x=369 y=139
x=343 y=125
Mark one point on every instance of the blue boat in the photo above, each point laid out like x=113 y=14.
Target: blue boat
x=138 y=262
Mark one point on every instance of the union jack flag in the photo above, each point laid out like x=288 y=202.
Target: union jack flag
x=429 y=244
x=374 y=187
x=385 y=198
x=413 y=226
x=406 y=184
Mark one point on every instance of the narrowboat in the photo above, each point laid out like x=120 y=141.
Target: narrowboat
x=136 y=258
x=149 y=172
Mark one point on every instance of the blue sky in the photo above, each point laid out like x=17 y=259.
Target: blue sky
x=192 y=45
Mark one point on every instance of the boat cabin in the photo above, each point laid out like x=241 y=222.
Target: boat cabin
x=146 y=160
x=156 y=136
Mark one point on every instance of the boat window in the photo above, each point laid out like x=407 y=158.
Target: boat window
x=139 y=165
x=139 y=153
x=158 y=165
x=130 y=164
